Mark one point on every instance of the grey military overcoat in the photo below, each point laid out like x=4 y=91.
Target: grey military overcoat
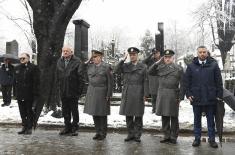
x=135 y=87
x=169 y=91
x=100 y=87
x=153 y=80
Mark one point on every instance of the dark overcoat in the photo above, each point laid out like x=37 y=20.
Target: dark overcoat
x=26 y=82
x=70 y=79
x=7 y=75
x=203 y=82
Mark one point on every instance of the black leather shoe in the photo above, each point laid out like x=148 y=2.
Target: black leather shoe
x=3 y=105
x=74 y=131
x=65 y=131
x=196 y=143
x=28 y=132
x=165 y=141
x=129 y=138
x=137 y=139
x=213 y=144
x=22 y=131
x=96 y=136
x=101 y=137
x=172 y=141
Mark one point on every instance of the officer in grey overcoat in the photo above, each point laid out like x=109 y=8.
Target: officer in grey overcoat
x=134 y=92
x=153 y=80
x=99 y=92
x=170 y=77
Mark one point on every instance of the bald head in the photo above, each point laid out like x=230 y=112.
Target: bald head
x=67 y=52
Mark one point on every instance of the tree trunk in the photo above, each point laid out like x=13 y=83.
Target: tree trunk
x=223 y=56
x=50 y=20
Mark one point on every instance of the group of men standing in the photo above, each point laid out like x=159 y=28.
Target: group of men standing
x=157 y=75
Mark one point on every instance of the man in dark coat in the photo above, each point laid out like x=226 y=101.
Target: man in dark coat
x=153 y=80
x=203 y=84
x=7 y=80
x=70 y=80
x=99 y=92
x=26 y=91
x=170 y=77
x=134 y=93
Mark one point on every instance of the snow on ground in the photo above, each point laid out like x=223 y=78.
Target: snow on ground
x=151 y=121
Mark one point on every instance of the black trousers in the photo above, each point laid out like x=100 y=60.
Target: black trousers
x=170 y=127
x=6 y=93
x=100 y=125
x=26 y=113
x=154 y=100
x=134 y=126
x=69 y=110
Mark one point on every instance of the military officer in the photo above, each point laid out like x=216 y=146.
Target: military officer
x=99 y=92
x=153 y=80
x=169 y=94
x=135 y=90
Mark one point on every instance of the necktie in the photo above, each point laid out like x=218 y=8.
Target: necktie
x=66 y=62
x=203 y=63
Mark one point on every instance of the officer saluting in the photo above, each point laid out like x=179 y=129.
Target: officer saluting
x=169 y=95
x=153 y=80
x=135 y=88
x=99 y=91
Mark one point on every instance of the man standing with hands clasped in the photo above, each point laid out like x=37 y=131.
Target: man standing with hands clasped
x=204 y=87
x=135 y=90
x=169 y=95
x=70 y=80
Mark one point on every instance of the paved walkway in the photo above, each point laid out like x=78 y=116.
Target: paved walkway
x=48 y=142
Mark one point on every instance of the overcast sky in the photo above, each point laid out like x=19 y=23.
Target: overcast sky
x=131 y=17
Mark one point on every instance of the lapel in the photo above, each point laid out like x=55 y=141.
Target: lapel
x=70 y=66
x=61 y=64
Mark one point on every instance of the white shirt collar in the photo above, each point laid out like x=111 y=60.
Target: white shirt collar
x=200 y=62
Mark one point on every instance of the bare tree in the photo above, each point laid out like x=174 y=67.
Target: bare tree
x=179 y=40
x=25 y=24
x=220 y=18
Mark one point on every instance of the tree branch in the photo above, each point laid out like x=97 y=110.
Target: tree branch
x=64 y=13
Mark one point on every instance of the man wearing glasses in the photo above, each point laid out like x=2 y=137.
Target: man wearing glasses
x=26 y=91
